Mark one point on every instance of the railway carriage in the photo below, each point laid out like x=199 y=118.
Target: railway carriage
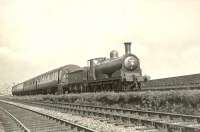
x=47 y=82
x=29 y=86
x=17 y=89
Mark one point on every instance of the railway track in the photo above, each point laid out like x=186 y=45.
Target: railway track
x=10 y=123
x=147 y=119
x=89 y=122
x=18 y=119
x=174 y=87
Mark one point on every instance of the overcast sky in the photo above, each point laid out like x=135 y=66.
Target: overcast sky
x=39 y=35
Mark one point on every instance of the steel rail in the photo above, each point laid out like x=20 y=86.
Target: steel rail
x=62 y=121
x=144 y=121
x=171 y=87
x=132 y=111
x=19 y=123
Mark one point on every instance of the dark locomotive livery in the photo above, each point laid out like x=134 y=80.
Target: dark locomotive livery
x=102 y=74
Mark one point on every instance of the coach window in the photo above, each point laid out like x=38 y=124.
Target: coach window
x=56 y=75
x=52 y=76
x=67 y=76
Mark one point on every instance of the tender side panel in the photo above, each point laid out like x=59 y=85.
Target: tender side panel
x=76 y=80
x=76 y=76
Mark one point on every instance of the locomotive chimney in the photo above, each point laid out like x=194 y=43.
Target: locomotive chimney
x=127 y=47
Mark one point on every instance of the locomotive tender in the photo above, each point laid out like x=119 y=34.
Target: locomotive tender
x=102 y=74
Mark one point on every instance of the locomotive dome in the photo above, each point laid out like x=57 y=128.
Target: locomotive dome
x=114 y=54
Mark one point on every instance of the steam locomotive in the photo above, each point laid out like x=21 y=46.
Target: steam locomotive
x=102 y=74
